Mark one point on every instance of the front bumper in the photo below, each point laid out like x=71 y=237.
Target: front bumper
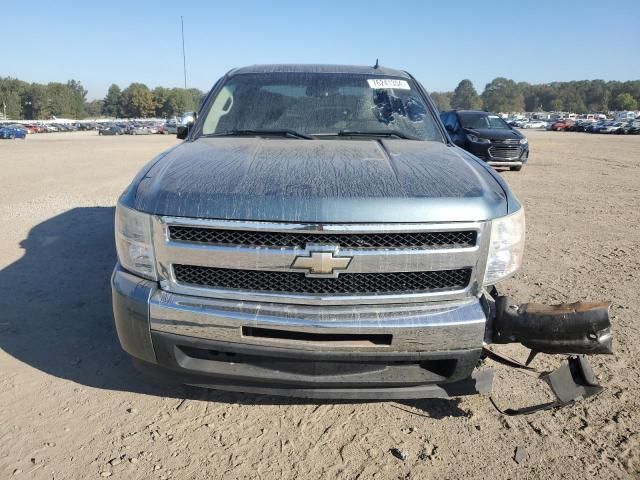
x=353 y=351
x=356 y=352
x=488 y=153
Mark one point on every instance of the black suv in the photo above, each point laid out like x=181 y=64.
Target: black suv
x=488 y=137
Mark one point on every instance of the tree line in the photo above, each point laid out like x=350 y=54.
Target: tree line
x=138 y=101
x=31 y=101
x=505 y=95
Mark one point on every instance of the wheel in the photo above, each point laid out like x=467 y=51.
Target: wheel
x=12 y=136
x=516 y=169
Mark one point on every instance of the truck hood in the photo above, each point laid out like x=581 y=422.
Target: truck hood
x=318 y=181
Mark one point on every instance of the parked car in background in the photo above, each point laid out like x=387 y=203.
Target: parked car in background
x=140 y=130
x=630 y=128
x=11 y=132
x=519 y=123
x=171 y=128
x=598 y=126
x=581 y=125
x=113 y=130
x=562 y=125
x=614 y=127
x=488 y=137
x=535 y=124
x=19 y=126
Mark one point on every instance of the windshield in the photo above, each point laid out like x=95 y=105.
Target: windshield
x=318 y=104
x=482 y=120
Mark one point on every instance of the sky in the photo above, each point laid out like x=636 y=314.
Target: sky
x=439 y=42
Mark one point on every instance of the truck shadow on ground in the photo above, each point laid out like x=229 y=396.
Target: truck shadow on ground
x=56 y=316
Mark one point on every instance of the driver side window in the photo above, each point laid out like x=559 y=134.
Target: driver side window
x=220 y=108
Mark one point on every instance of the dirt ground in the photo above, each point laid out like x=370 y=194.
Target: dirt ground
x=74 y=408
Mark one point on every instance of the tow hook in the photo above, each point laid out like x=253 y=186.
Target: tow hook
x=574 y=328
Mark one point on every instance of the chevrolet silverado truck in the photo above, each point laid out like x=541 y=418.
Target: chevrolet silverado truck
x=318 y=234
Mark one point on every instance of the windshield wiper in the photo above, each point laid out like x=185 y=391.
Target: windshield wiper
x=285 y=132
x=374 y=133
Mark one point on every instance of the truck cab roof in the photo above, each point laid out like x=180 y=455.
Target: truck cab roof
x=319 y=68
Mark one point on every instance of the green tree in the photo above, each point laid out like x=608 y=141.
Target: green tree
x=161 y=94
x=94 y=108
x=572 y=101
x=557 y=105
x=442 y=100
x=465 y=97
x=34 y=102
x=138 y=101
x=58 y=100
x=112 y=106
x=180 y=101
x=197 y=96
x=596 y=96
x=77 y=99
x=624 y=101
x=503 y=95
x=176 y=101
x=10 y=101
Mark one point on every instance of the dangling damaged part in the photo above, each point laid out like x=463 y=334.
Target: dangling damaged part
x=576 y=329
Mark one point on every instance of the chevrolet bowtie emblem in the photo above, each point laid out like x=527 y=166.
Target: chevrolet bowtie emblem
x=321 y=264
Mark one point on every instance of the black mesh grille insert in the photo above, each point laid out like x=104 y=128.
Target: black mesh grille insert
x=411 y=240
x=345 y=284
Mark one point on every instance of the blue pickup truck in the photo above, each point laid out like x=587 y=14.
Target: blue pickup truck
x=318 y=234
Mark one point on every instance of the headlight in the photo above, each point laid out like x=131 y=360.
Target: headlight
x=523 y=141
x=476 y=139
x=133 y=242
x=506 y=248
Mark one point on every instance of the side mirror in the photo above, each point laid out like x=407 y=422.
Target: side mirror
x=186 y=122
x=188 y=118
x=183 y=132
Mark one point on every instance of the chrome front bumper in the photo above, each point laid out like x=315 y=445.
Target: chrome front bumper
x=250 y=346
x=507 y=163
x=408 y=328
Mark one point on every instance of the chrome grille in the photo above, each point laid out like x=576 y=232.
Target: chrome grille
x=506 y=141
x=505 y=149
x=345 y=284
x=254 y=261
x=409 y=240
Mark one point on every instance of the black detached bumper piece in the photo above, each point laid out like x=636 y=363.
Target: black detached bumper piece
x=576 y=328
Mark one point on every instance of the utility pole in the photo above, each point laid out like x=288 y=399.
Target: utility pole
x=184 y=58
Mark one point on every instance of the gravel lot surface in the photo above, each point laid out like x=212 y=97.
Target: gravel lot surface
x=73 y=407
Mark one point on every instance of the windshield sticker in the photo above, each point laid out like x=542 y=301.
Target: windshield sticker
x=388 y=83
